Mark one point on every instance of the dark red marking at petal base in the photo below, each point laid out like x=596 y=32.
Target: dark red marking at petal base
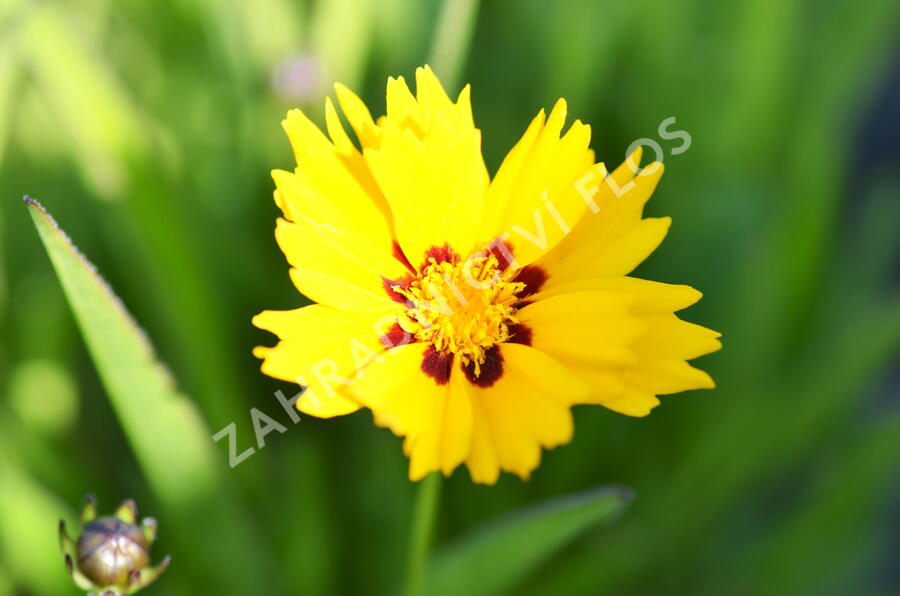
x=520 y=334
x=396 y=336
x=533 y=277
x=388 y=285
x=441 y=254
x=491 y=369
x=401 y=256
x=437 y=365
x=503 y=250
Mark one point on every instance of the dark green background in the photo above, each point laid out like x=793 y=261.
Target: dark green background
x=149 y=128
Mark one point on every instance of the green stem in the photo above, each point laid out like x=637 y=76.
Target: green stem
x=423 y=522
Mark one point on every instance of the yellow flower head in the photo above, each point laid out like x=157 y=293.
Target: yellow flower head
x=470 y=313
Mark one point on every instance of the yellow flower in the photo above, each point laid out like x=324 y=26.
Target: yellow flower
x=470 y=313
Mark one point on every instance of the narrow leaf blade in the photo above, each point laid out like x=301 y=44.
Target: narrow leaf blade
x=495 y=557
x=166 y=432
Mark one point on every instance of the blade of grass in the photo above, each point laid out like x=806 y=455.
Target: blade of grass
x=168 y=437
x=117 y=151
x=497 y=557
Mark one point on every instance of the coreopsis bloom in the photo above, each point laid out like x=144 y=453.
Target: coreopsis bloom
x=469 y=313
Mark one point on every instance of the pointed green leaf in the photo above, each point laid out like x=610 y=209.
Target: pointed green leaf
x=171 y=442
x=497 y=556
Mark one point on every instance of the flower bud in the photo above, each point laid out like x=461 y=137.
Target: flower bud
x=112 y=552
x=109 y=550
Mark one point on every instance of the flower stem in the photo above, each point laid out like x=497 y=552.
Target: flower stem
x=422 y=530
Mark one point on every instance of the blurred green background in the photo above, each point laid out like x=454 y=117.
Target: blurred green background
x=149 y=129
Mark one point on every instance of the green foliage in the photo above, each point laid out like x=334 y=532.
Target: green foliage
x=165 y=431
x=494 y=558
x=149 y=130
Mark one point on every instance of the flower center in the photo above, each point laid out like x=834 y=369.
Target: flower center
x=462 y=308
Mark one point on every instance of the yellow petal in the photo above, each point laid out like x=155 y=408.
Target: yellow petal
x=533 y=201
x=434 y=186
x=607 y=388
x=662 y=352
x=321 y=348
x=342 y=143
x=353 y=160
x=634 y=402
x=648 y=297
x=402 y=107
x=613 y=240
x=335 y=268
x=456 y=430
x=622 y=339
x=525 y=409
x=484 y=467
x=434 y=101
x=430 y=94
x=504 y=182
x=589 y=327
x=328 y=187
x=605 y=383
x=663 y=376
x=436 y=419
x=462 y=109
x=670 y=336
x=358 y=115
x=517 y=450
x=631 y=248
x=658 y=355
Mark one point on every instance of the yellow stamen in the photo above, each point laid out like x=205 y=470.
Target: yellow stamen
x=463 y=308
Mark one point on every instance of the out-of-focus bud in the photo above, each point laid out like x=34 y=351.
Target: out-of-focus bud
x=111 y=557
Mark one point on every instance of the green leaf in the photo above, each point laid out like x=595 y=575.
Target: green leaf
x=495 y=557
x=171 y=442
